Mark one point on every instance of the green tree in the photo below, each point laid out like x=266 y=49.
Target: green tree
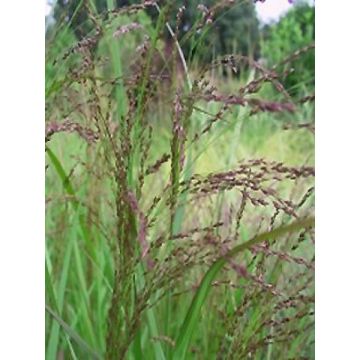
x=294 y=31
x=234 y=29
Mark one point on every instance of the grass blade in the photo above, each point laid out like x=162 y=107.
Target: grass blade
x=73 y=335
x=193 y=314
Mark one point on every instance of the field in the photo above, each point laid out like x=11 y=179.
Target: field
x=179 y=197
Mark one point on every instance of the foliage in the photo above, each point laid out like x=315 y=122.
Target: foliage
x=233 y=31
x=294 y=31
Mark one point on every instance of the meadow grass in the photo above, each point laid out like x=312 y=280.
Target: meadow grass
x=179 y=208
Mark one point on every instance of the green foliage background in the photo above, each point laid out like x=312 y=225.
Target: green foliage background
x=294 y=30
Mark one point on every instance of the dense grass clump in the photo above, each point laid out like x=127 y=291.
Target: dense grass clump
x=179 y=202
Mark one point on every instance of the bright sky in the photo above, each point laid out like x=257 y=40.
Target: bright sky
x=48 y=8
x=271 y=10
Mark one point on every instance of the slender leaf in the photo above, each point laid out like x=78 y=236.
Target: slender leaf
x=73 y=335
x=193 y=314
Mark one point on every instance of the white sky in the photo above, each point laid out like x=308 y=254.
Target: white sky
x=48 y=8
x=271 y=10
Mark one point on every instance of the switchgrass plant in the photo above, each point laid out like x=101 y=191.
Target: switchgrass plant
x=175 y=227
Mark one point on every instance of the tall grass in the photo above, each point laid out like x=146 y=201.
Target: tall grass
x=179 y=203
